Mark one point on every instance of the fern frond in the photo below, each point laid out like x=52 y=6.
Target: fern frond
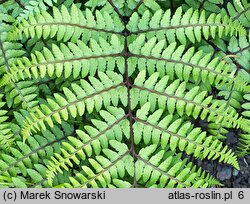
x=178 y=134
x=9 y=55
x=69 y=60
x=164 y=168
x=67 y=25
x=125 y=93
x=174 y=98
x=104 y=171
x=174 y=62
x=191 y=25
x=93 y=141
x=24 y=159
x=168 y=170
x=88 y=96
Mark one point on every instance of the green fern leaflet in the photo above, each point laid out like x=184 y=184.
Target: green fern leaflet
x=107 y=94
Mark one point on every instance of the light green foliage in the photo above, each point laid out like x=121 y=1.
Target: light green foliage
x=192 y=25
x=91 y=95
x=67 y=60
x=244 y=137
x=113 y=94
x=175 y=63
x=66 y=25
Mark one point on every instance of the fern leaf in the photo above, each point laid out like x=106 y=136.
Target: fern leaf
x=174 y=98
x=66 y=25
x=121 y=94
x=168 y=170
x=179 y=134
x=74 y=103
x=105 y=172
x=175 y=63
x=191 y=25
x=94 y=140
x=25 y=159
x=67 y=60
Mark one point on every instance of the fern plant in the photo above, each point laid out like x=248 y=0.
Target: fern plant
x=110 y=93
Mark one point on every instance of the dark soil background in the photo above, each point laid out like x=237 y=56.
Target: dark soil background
x=226 y=174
